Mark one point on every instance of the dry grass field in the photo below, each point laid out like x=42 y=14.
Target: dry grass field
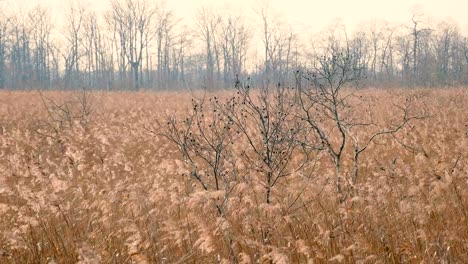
x=102 y=185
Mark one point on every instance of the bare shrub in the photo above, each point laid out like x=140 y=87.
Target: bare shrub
x=204 y=138
x=65 y=113
x=336 y=112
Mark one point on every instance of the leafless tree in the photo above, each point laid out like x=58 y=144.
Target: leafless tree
x=446 y=53
x=235 y=39
x=330 y=106
x=360 y=49
x=20 y=60
x=64 y=114
x=465 y=53
x=278 y=40
x=262 y=119
x=417 y=33
x=209 y=24
x=4 y=32
x=180 y=55
x=166 y=42
x=41 y=57
x=324 y=106
x=267 y=124
x=132 y=22
x=387 y=67
x=204 y=138
x=98 y=61
x=74 y=38
x=142 y=43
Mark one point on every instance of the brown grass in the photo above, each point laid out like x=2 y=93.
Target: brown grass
x=110 y=191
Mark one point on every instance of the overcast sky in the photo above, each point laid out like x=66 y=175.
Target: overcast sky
x=310 y=14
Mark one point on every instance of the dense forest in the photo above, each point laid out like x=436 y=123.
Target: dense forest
x=141 y=44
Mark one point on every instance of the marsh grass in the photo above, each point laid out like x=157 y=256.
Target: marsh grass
x=113 y=192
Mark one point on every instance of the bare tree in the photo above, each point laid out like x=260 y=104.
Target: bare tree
x=74 y=33
x=404 y=58
x=445 y=42
x=20 y=54
x=208 y=26
x=143 y=43
x=180 y=55
x=324 y=107
x=267 y=124
x=375 y=39
x=4 y=32
x=204 y=138
x=387 y=67
x=165 y=42
x=330 y=106
x=264 y=13
x=278 y=40
x=115 y=21
x=359 y=48
x=40 y=34
x=235 y=38
x=94 y=50
x=465 y=53
x=132 y=24
x=416 y=32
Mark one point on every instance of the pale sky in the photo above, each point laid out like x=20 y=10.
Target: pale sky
x=309 y=14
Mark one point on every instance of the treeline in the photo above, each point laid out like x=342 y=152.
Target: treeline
x=142 y=44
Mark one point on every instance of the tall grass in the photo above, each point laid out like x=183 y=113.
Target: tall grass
x=112 y=191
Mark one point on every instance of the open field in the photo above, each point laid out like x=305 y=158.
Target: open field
x=103 y=186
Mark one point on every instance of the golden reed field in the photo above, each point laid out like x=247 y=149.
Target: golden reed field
x=96 y=178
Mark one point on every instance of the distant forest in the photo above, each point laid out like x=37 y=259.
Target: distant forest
x=140 y=44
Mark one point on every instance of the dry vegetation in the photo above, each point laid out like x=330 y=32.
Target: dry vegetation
x=102 y=184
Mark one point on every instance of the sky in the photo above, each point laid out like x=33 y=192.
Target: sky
x=305 y=14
